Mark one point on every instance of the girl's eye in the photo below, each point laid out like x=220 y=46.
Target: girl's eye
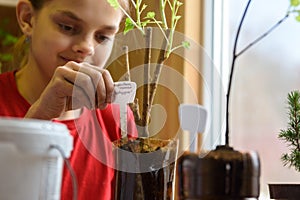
x=67 y=28
x=101 y=38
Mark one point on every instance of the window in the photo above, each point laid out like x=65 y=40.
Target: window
x=216 y=71
x=263 y=77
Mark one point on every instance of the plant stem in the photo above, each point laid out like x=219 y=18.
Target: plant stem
x=263 y=35
x=172 y=29
x=162 y=6
x=147 y=63
x=127 y=75
x=135 y=105
x=159 y=64
x=133 y=22
x=232 y=71
x=236 y=55
x=133 y=3
x=138 y=13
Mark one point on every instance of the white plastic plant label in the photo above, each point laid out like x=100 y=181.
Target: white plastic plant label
x=193 y=118
x=124 y=93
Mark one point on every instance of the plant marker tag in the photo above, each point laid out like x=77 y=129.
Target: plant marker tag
x=124 y=93
x=193 y=118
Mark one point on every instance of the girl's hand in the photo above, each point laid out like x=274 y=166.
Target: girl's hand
x=84 y=84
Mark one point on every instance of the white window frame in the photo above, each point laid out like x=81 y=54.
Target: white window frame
x=216 y=45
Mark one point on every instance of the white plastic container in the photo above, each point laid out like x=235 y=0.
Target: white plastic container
x=29 y=168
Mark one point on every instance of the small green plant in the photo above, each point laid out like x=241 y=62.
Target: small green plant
x=144 y=20
x=291 y=135
x=151 y=18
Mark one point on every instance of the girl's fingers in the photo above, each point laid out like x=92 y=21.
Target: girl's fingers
x=88 y=86
x=99 y=84
x=75 y=85
x=92 y=83
x=109 y=85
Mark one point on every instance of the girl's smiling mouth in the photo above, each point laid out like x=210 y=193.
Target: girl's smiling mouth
x=78 y=60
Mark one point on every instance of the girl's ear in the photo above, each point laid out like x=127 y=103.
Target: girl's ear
x=24 y=12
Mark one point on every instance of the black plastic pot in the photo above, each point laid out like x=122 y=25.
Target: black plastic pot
x=284 y=191
x=222 y=174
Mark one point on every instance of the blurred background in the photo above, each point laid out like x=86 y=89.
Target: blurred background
x=265 y=74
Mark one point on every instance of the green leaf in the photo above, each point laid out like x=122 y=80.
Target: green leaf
x=298 y=18
x=144 y=23
x=144 y=7
x=6 y=57
x=128 y=25
x=186 y=44
x=179 y=3
x=178 y=17
x=114 y=3
x=9 y=40
x=295 y=2
x=150 y=15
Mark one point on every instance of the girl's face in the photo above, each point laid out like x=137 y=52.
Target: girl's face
x=72 y=30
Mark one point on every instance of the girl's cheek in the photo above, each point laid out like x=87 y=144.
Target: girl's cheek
x=102 y=53
x=62 y=42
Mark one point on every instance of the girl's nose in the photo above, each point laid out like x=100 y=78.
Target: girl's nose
x=85 y=47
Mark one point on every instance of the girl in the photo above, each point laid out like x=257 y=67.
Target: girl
x=61 y=35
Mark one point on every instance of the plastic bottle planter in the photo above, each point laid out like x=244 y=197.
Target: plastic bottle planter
x=222 y=174
x=30 y=166
x=145 y=168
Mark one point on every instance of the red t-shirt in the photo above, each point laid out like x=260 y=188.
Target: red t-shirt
x=91 y=157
